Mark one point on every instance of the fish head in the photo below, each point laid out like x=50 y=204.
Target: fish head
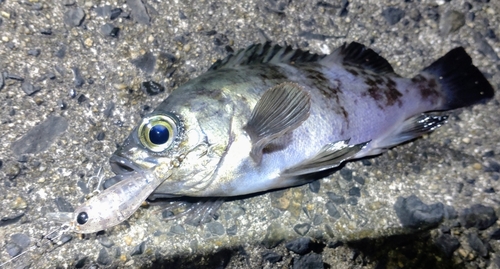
x=181 y=142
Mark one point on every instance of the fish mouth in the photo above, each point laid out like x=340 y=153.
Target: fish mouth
x=121 y=166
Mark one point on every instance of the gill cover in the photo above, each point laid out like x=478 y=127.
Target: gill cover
x=160 y=132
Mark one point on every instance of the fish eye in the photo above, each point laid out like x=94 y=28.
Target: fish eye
x=82 y=218
x=158 y=132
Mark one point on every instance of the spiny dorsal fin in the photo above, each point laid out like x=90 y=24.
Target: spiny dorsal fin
x=266 y=53
x=359 y=56
x=281 y=109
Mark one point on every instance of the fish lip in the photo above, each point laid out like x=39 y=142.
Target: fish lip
x=121 y=165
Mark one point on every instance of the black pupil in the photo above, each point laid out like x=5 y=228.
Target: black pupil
x=82 y=218
x=158 y=134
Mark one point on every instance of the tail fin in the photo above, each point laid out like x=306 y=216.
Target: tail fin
x=462 y=83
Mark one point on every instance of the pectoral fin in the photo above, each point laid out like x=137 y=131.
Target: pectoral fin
x=330 y=156
x=280 y=109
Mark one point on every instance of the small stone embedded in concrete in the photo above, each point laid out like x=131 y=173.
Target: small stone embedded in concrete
x=29 y=88
x=78 y=79
x=300 y=245
x=352 y=201
x=74 y=16
x=82 y=98
x=63 y=205
x=337 y=199
x=315 y=186
x=309 y=261
x=40 y=137
x=413 y=213
x=103 y=11
x=34 y=52
x=317 y=219
x=106 y=242
x=393 y=15
x=451 y=21
x=60 y=53
x=484 y=47
x=177 y=229
x=100 y=136
x=274 y=236
x=138 y=11
x=447 y=244
x=302 y=228
x=271 y=256
x=355 y=191
x=2 y=81
x=21 y=240
x=139 y=249
x=104 y=258
x=146 y=62
x=13 y=249
x=109 y=29
x=115 y=13
x=46 y=31
x=332 y=210
x=233 y=230
x=346 y=174
x=478 y=216
x=477 y=244
x=359 y=179
x=215 y=228
x=152 y=88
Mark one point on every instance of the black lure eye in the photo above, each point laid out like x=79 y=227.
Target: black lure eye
x=82 y=218
x=158 y=132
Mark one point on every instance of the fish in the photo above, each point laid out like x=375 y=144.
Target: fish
x=271 y=117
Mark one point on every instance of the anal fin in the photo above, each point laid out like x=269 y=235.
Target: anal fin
x=414 y=127
x=330 y=156
x=281 y=109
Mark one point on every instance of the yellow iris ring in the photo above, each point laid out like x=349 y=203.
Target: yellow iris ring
x=146 y=126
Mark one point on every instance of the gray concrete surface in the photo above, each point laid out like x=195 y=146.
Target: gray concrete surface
x=65 y=65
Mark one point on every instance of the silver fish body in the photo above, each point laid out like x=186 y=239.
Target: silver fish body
x=270 y=117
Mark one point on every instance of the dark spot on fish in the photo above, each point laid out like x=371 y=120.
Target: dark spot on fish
x=392 y=94
x=383 y=90
x=352 y=71
x=428 y=88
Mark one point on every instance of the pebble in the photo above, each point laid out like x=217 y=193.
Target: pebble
x=233 y=230
x=313 y=186
x=109 y=29
x=355 y=191
x=13 y=249
x=19 y=203
x=215 y=228
x=447 y=244
x=74 y=17
x=317 y=219
x=106 y=242
x=145 y=62
x=88 y=42
x=477 y=166
x=40 y=137
x=34 y=52
x=104 y=258
x=275 y=234
x=78 y=79
x=332 y=210
x=495 y=234
x=139 y=249
x=337 y=199
x=271 y=256
x=60 y=53
x=103 y=11
x=393 y=15
x=29 y=88
x=309 y=261
x=478 y=216
x=2 y=81
x=300 y=246
x=302 y=228
x=451 y=21
x=484 y=47
x=492 y=167
x=115 y=13
x=346 y=174
x=477 y=244
x=152 y=88
x=413 y=213
x=138 y=11
x=177 y=229
x=63 y=205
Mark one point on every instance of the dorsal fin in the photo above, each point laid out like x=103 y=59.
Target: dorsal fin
x=359 y=56
x=266 y=53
